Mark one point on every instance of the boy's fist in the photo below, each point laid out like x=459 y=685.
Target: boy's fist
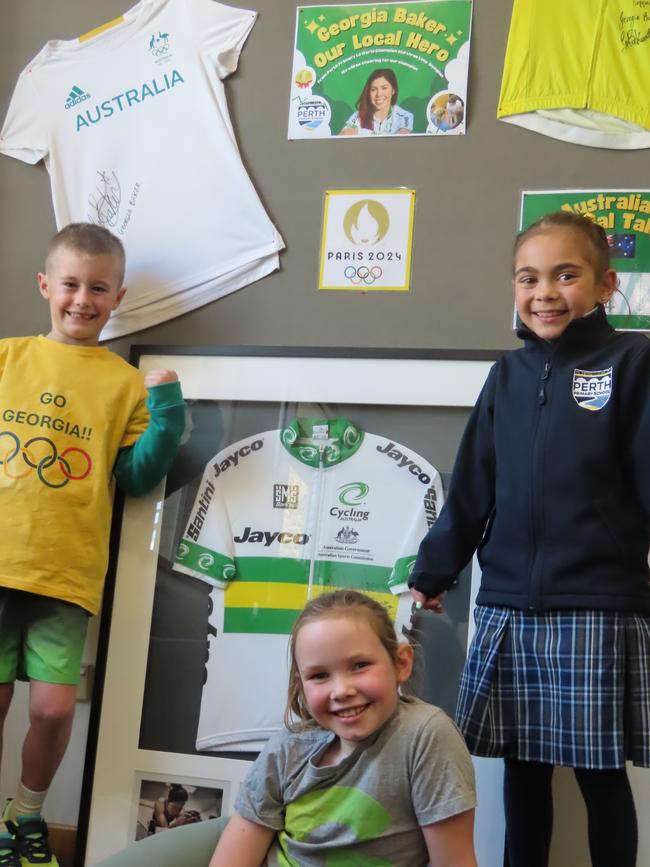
x=159 y=377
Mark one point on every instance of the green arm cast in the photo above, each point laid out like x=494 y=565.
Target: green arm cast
x=139 y=468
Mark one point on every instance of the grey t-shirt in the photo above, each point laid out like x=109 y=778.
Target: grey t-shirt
x=368 y=809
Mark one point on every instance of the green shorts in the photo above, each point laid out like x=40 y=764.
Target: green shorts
x=40 y=638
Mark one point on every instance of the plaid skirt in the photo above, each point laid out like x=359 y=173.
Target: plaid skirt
x=566 y=687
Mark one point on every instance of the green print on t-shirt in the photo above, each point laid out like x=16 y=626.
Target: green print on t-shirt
x=348 y=808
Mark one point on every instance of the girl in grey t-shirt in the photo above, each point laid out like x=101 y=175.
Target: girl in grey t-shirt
x=361 y=775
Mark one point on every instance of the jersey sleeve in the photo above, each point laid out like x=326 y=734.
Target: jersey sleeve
x=424 y=516
x=206 y=550
x=24 y=135
x=441 y=771
x=221 y=32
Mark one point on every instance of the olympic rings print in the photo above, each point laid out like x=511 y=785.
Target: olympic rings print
x=31 y=456
x=363 y=274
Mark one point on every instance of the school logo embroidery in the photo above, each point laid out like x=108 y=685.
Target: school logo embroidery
x=592 y=389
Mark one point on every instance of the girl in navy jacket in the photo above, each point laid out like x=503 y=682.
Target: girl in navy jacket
x=552 y=487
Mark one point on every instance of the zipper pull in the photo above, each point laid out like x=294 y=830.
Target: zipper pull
x=541 y=394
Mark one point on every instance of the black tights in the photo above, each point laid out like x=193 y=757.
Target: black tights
x=529 y=814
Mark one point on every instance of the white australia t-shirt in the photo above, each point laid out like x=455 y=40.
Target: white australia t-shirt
x=132 y=124
x=278 y=520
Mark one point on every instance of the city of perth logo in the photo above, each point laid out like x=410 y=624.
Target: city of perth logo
x=592 y=389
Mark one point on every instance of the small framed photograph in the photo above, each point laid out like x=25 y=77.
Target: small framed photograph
x=165 y=804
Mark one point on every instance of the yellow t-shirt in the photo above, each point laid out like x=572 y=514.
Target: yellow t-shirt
x=579 y=71
x=64 y=413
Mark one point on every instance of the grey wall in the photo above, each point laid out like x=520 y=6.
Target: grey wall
x=466 y=211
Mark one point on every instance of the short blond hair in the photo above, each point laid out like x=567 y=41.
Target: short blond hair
x=92 y=240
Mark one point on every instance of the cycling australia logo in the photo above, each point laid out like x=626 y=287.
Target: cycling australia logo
x=353 y=494
x=76 y=96
x=205 y=562
x=592 y=389
x=159 y=47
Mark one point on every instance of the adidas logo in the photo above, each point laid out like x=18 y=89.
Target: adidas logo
x=77 y=95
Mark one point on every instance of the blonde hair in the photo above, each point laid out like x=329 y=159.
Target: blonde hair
x=91 y=240
x=338 y=603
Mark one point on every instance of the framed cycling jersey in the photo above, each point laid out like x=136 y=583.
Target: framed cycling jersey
x=301 y=471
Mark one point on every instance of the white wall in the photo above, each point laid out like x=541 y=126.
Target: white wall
x=569 y=846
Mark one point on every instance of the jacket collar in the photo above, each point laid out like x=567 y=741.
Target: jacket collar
x=590 y=329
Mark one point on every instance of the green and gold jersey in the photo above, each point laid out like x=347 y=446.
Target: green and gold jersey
x=279 y=518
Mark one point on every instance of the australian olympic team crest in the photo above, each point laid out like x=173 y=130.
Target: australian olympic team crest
x=592 y=388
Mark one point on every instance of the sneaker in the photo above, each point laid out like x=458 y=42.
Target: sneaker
x=33 y=843
x=5 y=814
x=9 y=852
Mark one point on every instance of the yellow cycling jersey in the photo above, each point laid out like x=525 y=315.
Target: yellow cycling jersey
x=578 y=70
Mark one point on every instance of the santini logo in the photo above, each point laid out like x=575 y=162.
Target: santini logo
x=77 y=95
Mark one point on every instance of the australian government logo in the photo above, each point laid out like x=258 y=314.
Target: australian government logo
x=592 y=389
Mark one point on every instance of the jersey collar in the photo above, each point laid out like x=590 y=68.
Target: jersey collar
x=344 y=439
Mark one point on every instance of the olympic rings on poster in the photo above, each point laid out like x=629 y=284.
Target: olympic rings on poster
x=362 y=274
x=40 y=463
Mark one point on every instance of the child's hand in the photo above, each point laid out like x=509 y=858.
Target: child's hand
x=430 y=603
x=158 y=377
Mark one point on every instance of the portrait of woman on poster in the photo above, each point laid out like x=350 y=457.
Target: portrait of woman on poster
x=377 y=110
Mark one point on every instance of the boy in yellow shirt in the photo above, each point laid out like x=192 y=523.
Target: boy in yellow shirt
x=72 y=415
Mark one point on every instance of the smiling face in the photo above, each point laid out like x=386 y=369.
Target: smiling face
x=381 y=95
x=82 y=291
x=348 y=679
x=555 y=281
